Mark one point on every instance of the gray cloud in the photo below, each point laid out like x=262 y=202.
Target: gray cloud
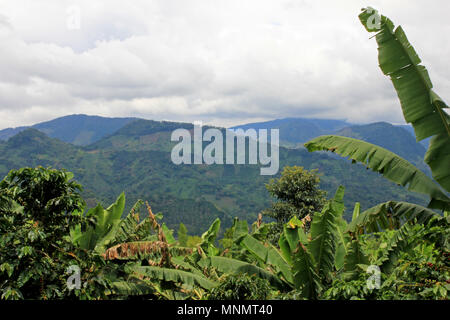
x=222 y=62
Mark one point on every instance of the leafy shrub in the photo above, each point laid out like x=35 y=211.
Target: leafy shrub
x=241 y=287
x=36 y=208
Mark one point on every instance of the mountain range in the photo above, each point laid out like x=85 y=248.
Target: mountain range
x=111 y=155
x=78 y=129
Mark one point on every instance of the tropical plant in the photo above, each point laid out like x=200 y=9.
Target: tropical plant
x=241 y=287
x=36 y=254
x=421 y=107
x=406 y=225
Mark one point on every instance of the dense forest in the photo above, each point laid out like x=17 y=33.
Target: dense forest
x=59 y=242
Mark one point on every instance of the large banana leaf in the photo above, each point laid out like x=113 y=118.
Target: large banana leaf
x=293 y=233
x=240 y=228
x=390 y=165
x=306 y=279
x=185 y=278
x=421 y=106
x=342 y=237
x=131 y=229
x=390 y=215
x=268 y=255
x=168 y=234
x=290 y=237
x=233 y=266
x=323 y=240
x=135 y=288
x=355 y=256
x=107 y=221
x=208 y=238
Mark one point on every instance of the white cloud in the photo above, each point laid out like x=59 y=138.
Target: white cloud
x=221 y=62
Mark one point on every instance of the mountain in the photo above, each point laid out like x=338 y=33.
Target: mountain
x=410 y=129
x=388 y=136
x=296 y=131
x=137 y=159
x=78 y=129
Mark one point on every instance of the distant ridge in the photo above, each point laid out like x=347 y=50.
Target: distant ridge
x=77 y=129
x=295 y=131
x=400 y=139
x=137 y=159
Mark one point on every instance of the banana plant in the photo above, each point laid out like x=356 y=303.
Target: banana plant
x=254 y=256
x=328 y=249
x=157 y=265
x=421 y=107
x=106 y=225
x=308 y=262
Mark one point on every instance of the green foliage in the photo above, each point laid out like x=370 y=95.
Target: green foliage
x=182 y=235
x=390 y=215
x=390 y=137
x=186 y=278
x=299 y=196
x=385 y=162
x=44 y=232
x=233 y=266
x=35 y=251
x=324 y=240
x=193 y=241
x=107 y=224
x=241 y=287
x=421 y=106
x=306 y=279
x=45 y=194
x=355 y=289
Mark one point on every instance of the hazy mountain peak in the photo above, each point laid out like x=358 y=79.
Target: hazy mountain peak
x=78 y=129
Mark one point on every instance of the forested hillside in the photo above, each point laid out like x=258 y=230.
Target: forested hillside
x=136 y=159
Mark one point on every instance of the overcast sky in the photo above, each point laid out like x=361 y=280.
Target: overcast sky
x=221 y=62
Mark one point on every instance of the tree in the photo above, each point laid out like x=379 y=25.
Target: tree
x=299 y=196
x=36 y=215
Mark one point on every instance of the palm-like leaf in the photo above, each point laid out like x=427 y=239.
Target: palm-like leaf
x=234 y=266
x=390 y=165
x=342 y=237
x=107 y=221
x=184 y=278
x=132 y=288
x=268 y=255
x=324 y=239
x=209 y=236
x=421 y=106
x=305 y=277
x=355 y=256
x=390 y=215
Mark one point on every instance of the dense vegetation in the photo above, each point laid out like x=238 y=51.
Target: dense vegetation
x=136 y=160
x=53 y=247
